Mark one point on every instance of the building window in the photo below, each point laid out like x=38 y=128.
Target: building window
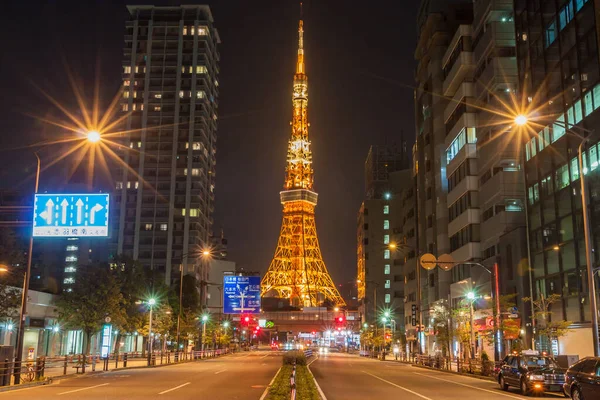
x=201 y=69
x=388 y=283
x=386 y=224
x=386 y=239
x=163 y=227
x=70 y=269
x=69 y=280
x=387 y=298
x=158 y=96
x=72 y=248
x=386 y=209
x=71 y=258
x=200 y=94
x=386 y=269
x=386 y=254
x=561 y=177
x=119 y=185
x=127 y=69
x=148 y=227
x=466 y=135
x=550 y=33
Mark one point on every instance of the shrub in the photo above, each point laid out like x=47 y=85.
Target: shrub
x=292 y=357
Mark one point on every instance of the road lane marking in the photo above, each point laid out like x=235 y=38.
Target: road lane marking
x=323 y=397
x=470 y=386
x=85 y=388
x=270 y=383
x=265 y=356
x=398 y=386
x=218 y=372
x=175 y=388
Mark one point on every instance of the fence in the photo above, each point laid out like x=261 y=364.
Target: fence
x=469 y=366
x=49 y=367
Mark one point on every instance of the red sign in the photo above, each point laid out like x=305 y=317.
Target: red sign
x=512 y=328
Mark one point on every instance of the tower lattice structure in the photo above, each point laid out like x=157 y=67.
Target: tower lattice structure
x=297 y=270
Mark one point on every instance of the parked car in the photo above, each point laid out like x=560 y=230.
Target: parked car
x=532 y=373
x=582 y=379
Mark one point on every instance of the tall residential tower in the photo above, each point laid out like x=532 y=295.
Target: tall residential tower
x=165 y=194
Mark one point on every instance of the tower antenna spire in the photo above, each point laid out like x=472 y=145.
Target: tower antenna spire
x=301 y=11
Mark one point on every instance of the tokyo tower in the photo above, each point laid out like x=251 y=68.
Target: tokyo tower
x=297 y=270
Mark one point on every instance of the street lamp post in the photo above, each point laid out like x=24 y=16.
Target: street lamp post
x=151 y=303
x=522 y=120
x=204 y=321
x=25 y=294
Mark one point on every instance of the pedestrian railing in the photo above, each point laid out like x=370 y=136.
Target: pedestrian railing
x=470 y=366
x=50 y=367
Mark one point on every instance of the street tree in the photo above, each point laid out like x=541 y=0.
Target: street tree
x=94 y=295
x=441 y=316
x=546 y=328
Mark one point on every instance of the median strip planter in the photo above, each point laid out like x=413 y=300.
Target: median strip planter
x=293 y=379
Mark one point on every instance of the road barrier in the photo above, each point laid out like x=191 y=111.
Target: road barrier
x=293 y=383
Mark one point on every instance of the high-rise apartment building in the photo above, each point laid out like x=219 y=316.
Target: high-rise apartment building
x=380 y=276
x=165 y=195
x=437 y=23
x=559 y=72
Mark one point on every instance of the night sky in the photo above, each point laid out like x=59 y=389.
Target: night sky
x=360 y=67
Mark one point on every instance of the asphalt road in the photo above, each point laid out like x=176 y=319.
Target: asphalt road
x=242 y=376
x=349 y=377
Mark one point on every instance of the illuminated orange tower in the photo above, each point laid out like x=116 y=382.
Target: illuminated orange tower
x=297 y=270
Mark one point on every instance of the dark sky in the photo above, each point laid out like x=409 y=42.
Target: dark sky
x=359 y=61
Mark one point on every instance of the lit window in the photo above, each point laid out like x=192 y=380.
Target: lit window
x=128 y=185
x=386 y=254
x=386 y=239
x=185 y=30
x=550 y=33
x=386 y=269
x=202 y=30
x=125 y=107
x=388 y=283
x=216 y=83
x=387 y=298
x=194 y=212
x=386 y=224
x=157 y=95
x=70 y=269
x=183 y=212
x=148 y=227
x=386 y=209
x=127 y=83
x=126 y=94
x=561 y=177
x=139 y=144
x=136 y=184
x=71 y=258
x=127 y=69
x=201 y=69
x=119 y=185
x=196 y=145
x=72 y=248
x=156 y=108
x=200 y=94
x=181 y=94
x=195 y=172
x=69 y=280
x=466 y=135
x=163 y=227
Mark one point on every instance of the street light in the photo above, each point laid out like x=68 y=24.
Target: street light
x=151 y=303
x=93 y=136
x=204 y=321
x=522 y=120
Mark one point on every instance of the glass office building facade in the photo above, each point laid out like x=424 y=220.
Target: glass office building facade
x=559 y=76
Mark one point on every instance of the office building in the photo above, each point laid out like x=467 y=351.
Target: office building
x=559 y=71
x=165 y=195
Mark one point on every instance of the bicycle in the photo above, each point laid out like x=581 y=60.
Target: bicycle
x=29 y=374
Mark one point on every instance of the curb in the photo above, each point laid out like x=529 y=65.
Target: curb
x=484 y=378
x=25 y=385
x=321 y=394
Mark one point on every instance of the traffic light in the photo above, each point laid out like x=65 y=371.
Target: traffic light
x=340 y=319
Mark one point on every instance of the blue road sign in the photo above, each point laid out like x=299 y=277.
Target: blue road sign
x=70 y=215
x=241 y=294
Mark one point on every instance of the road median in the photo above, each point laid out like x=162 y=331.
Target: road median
x=294 y=380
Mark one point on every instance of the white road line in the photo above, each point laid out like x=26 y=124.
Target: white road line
x=265 y=356
x=175 y=388
x=398 y=386
x=323 y=397
x=218 y=372
x=496 y=392
x=270 y=383
x=85 y=388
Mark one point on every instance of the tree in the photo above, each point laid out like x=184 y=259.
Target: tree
x=441 y=314
x=94 y=296
x=10 y=300
x=461 y=318
x=546 y=328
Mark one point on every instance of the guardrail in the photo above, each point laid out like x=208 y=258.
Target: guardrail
x=469 y=366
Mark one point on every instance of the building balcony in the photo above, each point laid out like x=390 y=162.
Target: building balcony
x=466 y=89
x=494 y=73
x=467 y=119
x=469 y=150
x=467 y=184
x=463 y=66
x=503 y=184
x=470 y=216
x=502 y=222
x=497 y=34
x=469 y=251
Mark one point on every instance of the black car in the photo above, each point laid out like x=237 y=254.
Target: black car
x=582 y=380
x=531 y=372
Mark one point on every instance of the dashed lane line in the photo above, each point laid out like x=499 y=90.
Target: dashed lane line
x=218 y=372
x=175 y=388
x=85 y=388
x=398 y=386
x=496 y=392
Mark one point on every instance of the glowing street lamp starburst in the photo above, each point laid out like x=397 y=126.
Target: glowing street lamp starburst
x=93 y=136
